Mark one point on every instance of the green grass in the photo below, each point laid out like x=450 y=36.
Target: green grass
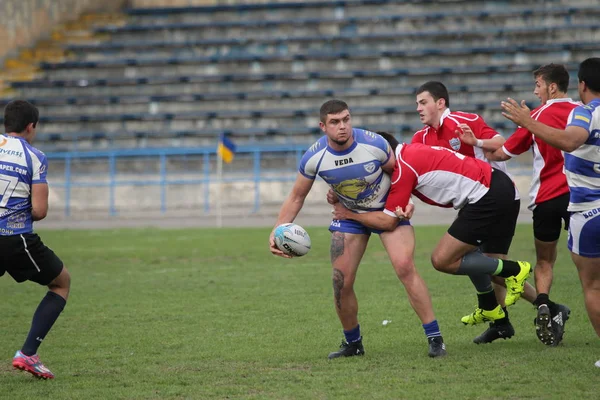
x=210 y=314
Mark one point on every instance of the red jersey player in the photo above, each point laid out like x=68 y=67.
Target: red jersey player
x=549 y=193
x=484 y=196
x=468 y=134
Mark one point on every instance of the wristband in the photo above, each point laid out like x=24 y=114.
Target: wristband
x=479 y=143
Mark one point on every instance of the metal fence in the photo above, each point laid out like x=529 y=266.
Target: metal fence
x=168 y=168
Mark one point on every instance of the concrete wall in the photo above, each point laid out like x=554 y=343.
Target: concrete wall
x=22 y=22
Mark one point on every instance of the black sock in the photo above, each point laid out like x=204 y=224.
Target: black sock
x=543 y=298
x=44 y=317
x=487 y=301
x=503 y=320
x=509 y=268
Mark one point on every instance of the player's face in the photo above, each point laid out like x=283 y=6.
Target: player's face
x=428 y=109
x=338 y=127
x=542 y=90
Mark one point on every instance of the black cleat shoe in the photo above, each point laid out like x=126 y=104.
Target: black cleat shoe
x=495 y=331
x=543 y=326
x=348 y=350
x=437 y=348
x=558 y=322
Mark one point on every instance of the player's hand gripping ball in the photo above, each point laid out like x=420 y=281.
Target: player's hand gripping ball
x=292 y=239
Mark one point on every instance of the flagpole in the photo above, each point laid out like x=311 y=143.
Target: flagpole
x=219 y=189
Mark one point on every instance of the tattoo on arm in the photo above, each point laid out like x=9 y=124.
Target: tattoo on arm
x=337 y=245
x=338 y=284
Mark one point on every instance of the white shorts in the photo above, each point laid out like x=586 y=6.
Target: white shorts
x=584 y=233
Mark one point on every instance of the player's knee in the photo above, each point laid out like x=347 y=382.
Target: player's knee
x=62 y=281
x=543 y=264
x=342 y=281
x=405 y=268
x=438 y=262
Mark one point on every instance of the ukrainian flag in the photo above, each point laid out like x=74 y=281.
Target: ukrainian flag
x=226 y=149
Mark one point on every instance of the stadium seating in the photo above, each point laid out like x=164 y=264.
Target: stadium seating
x=180 y=76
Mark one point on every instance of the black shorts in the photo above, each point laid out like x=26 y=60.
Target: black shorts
x=548 y=217
x=26 y=258
x=490 y=223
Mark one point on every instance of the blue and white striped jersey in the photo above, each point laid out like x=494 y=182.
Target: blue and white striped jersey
x=354 y=174
x=582 y=166
x=21 y=165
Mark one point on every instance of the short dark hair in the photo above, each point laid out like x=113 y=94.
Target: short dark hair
x=554 y=73
x=332 y=107
x=18 y=114
x=589 y=72
x=390 y=139
x=437 y=91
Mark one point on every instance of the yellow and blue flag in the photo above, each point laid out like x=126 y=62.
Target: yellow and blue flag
x=226 y=149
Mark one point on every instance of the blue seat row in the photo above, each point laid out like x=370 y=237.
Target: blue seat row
x=303 y=22
x=238 y=114
x=320 y=55
x=405 y=129
x=384 y=18
x=264 y=94
x=265 y=77
x=113 y=46
x=165 y=11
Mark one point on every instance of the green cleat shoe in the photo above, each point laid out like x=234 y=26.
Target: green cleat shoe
x=515 y=285
x=511 y=298
x=480 y=316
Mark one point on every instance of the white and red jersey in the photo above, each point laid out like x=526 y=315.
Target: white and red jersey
x=549 y=180
x=446 y=136
x=438 y=176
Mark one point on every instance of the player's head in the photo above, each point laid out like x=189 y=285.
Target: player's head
x=432 y=101
x=21 y=117
x=589 y=79
x=551 y=82
x=335 y=121
x=390 y=139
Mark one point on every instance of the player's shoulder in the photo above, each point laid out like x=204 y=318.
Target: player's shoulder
x=464 y=117
x=422 y=131
x=420 y=134
x=591 y=107
x=365 y=136
x=317 y=147
x=35 y=151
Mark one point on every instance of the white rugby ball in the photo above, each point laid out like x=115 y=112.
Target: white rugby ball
x=292 y=239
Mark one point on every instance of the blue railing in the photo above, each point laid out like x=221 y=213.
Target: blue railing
x=164 y=180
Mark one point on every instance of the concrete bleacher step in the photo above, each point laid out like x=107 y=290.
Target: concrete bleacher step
x=239 y=119
x=262 y=101
x=307 y=62
x=327 y=8
x=323 y=80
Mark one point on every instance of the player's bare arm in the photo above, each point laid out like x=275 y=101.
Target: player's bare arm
x=290 y=208
x=39 y=201
x=498 y=155
x=372 y=219
x=567 y=140
x=466 y=135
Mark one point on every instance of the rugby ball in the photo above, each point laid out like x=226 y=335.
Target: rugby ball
x=292 y=239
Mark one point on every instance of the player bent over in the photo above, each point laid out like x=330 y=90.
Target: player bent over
x=439 y=176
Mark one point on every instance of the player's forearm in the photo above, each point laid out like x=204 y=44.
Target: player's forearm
x=554 y=137
x=376 y=220
x=492 y=144
x=498 y=155
x=289 y=210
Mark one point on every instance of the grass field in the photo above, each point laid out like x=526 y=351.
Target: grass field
x=210 y=314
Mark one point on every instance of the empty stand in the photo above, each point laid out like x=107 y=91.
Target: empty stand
x=182 y=76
